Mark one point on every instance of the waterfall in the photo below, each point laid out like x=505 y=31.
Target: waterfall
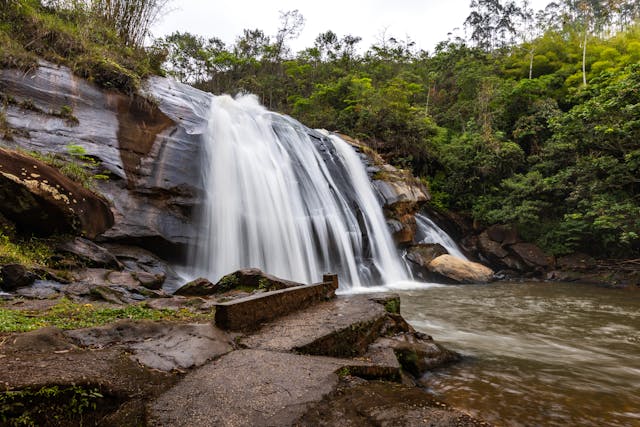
x=429 y=232
x=288 y=200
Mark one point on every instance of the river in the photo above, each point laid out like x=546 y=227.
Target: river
x=535 y=354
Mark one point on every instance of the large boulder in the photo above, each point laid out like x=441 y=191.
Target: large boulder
x=40 y=199
x=148 y=146
x=460 y=270
x=531 y=254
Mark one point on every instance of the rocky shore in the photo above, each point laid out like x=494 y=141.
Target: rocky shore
x=347 y=360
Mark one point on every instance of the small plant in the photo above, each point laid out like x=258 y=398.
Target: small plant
x=66 y=112
x=228 y=282
x=264 y=284
x=57 y=404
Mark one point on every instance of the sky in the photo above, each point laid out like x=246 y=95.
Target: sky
x=426 y=22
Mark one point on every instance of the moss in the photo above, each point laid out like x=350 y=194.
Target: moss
x=228 y=282
x=30 y=252
x=69 y=315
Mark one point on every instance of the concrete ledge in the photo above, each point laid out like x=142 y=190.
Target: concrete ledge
x=250 y=312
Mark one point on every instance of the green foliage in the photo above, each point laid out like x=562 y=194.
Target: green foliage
x=228 y=282
x=74 y=35
x=69 y=315
x=53 y=405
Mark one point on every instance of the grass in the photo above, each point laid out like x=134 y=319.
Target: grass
x=69 y=315
x=84 y=43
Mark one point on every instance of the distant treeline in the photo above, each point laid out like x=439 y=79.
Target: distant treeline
x=533 y=120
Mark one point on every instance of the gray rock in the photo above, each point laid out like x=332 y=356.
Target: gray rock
x=148 y=148
x=198 y=287
x=92 y=254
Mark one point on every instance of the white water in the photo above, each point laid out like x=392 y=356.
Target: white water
x=429 y=232
x=290 y=202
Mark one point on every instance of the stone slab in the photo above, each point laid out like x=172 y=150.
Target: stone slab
x=250 y=312
x=258 y=388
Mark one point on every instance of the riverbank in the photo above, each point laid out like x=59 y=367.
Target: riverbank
x=311 y=367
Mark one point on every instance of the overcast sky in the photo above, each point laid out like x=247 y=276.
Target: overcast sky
x=426 y=22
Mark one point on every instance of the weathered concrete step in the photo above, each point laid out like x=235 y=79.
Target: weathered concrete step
x=250 y=312
x=255 y=388
x=342 y=327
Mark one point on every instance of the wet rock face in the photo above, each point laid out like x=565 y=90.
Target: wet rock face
x=149 y=146
x=40 y=199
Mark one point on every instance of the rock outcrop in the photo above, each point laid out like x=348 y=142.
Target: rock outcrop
x=40 y=199
x=400 y=193
x=148 y=146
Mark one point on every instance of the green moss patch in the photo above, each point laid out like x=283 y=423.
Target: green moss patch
x=69 y=315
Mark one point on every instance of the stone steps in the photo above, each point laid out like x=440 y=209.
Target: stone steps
x=341 y=327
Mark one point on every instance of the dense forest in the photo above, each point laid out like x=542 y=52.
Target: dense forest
x=527 y=118
x=532 y=119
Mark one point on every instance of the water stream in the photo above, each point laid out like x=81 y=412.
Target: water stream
x=536 y=354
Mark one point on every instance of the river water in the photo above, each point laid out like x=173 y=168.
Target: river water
x=535 y=354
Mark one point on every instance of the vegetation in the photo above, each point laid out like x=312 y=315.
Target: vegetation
x=95 y=42
x=50 y=405
x=534 y=120
x=69 y=315
x=30 y=252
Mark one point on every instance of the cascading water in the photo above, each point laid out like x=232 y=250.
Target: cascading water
x=429 y=232
x=289 y=201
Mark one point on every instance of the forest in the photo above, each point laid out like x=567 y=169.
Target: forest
x=529 y=118
x=532 y=119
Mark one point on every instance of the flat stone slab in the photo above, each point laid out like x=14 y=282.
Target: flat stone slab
x=250 y=312
x=46 y=356
x=342 y=327
x=260 y=388
x=159 y=345
x=247 y=388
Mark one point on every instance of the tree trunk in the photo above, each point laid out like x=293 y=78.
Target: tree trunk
x=584 y=58
x=531 y=64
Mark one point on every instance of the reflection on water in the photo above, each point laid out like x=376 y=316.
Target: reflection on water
x=537 y=354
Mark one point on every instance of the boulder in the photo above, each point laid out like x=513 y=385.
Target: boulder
x=424 y=253
x=253 y=278
x=90 y=253
x=460 y=270
x=198 y=287
x=576 y=261
x=40 y=199
x=503 y=234
x=531 y=254
x=492 y=249
x=16 y=276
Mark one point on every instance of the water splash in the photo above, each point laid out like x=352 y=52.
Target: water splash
x=429 y=232
x=289 y=201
